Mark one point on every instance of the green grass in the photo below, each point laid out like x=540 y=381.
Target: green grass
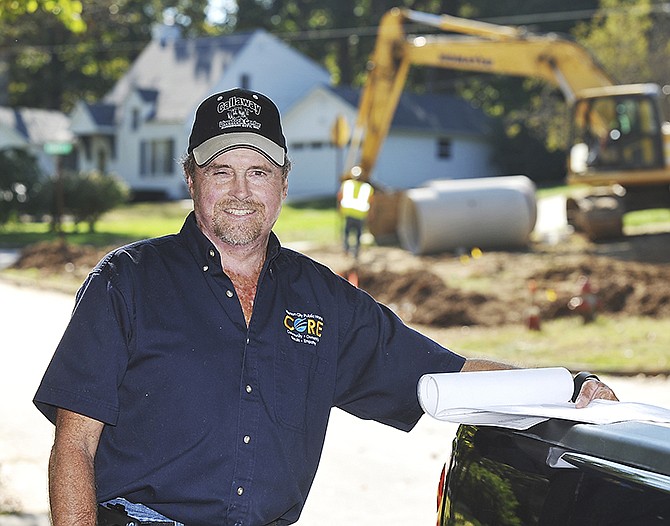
x=316 y=222
x=607 y=345
x=646 y=217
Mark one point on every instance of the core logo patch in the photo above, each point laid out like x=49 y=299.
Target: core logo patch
x=304 y=328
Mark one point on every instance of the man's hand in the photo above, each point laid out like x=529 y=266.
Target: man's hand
x=593 y=389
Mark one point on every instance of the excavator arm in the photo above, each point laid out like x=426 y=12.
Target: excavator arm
x=478 y=47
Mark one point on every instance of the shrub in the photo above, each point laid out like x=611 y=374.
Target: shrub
x=84 y=196
x=19 y=177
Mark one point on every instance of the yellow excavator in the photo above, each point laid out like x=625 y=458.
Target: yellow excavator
x=620 y=142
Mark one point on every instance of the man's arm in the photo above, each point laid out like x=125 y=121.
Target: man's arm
x=71 y=473
x=591 y=388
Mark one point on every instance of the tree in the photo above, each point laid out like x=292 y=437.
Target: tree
x=68 y=12
x=340 y=35
x=84 y=60
x=630 y=39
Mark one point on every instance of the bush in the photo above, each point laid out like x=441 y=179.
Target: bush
x=92 y=194
x=84 y=195
x=19 y=179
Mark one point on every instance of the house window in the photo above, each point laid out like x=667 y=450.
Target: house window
x=444 y=148
x=157 y=157
x=315 y=145
x=135 y=119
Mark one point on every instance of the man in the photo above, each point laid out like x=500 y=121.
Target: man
x=354 y=198
x=194 y=381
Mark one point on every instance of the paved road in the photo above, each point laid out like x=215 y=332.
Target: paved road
x=369 y=475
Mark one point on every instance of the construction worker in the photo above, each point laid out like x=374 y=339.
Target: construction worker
x=354 y=200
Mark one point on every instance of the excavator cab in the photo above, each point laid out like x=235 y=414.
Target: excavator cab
x=616 y=132
x=618 y=146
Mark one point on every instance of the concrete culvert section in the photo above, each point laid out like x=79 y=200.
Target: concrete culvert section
x=445 y=215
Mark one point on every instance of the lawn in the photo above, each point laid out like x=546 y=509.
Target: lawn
x=312 y=222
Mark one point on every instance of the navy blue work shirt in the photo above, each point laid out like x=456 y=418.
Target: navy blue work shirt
x=208 y=421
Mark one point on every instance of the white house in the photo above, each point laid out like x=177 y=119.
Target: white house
x=140 y=129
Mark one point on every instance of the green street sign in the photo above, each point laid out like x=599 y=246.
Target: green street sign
x=58 y=148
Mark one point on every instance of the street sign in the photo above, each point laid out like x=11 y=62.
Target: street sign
x=58 y=148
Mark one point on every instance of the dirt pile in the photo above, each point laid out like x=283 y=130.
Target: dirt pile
x=53 y=258
x=425 y=298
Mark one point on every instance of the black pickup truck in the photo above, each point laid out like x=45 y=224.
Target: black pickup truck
x=558 y=473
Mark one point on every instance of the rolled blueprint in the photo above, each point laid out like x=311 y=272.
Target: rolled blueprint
x=521 y=398
x=487 y=389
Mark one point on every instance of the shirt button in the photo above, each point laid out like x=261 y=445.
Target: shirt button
x=229 y=293
x=240 y=490
x=205 y=268
x=246 y=439
x=212 y=253
x=248 y=389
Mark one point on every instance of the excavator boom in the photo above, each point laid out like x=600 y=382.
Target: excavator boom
x=479 y=47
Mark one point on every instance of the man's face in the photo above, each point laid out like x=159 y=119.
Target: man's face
x=238 y=196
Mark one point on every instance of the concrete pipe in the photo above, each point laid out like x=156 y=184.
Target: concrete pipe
x=444 y=215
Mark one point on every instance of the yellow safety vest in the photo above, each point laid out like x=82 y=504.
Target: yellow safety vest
x=355 y=201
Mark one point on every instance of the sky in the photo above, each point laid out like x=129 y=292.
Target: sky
x=216 y=12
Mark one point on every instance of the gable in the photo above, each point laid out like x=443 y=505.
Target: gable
x=313 y=117
x=87 y=119
x=274 y=68
x=180 y=72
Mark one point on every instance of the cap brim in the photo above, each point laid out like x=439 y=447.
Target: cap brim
x=209 y=149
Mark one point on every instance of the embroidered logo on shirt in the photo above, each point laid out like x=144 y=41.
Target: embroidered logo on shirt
x=304 y=328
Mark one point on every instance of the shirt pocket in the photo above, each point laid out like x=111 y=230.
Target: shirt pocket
x=297 y=371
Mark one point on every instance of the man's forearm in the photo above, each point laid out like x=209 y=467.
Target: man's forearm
x=72 y=492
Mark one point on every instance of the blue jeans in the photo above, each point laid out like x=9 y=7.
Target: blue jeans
x=141 y=512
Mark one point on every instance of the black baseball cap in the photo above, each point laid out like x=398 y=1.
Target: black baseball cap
x=237 y=118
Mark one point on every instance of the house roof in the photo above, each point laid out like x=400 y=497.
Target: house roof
x=35 y=125
x=102 y=114
x=431 y=112
x=160 y=71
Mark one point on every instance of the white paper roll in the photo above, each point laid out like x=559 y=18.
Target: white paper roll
x=484 y=389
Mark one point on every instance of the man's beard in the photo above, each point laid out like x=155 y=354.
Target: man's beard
x=238 y=232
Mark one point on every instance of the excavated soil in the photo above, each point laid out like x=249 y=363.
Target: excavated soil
x=630 y=276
